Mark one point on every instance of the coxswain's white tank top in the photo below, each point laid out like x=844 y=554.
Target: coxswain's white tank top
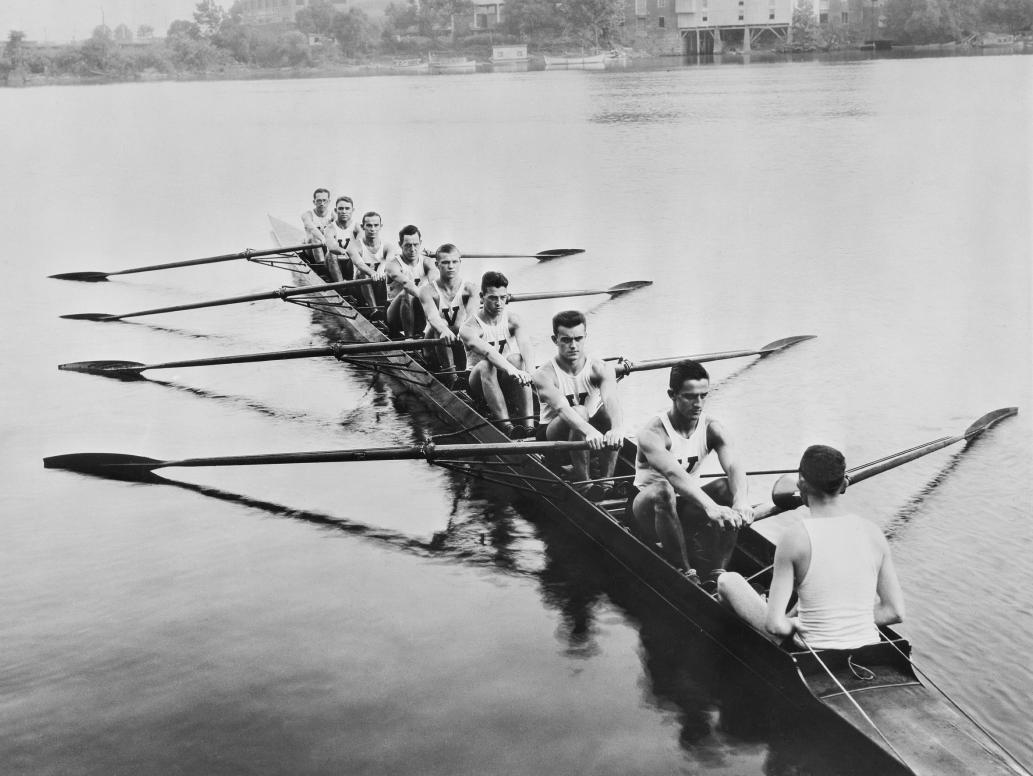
x=837 y=595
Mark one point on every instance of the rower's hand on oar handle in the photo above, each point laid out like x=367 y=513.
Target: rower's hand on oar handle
x=522 y=377
x=448 y=337
x=746 y=510
x=614 y=439
x=725 y=517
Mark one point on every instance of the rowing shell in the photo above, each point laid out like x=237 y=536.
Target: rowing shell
x=930 y=736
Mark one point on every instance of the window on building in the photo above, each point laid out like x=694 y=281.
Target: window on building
x=661 y=3
x=704 y=17
x=771 y=15
x=823 y=17
x=660 y=21
x=640 y=7
x=740 y=17
x=845 y=18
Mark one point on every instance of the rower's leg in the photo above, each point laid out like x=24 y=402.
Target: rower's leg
x=440 y=359
x=710 y=546
x=655 y=512
x=559 y=430
x=484 y=386
x=607 y=458
x=395 y=323
x=518 y=397
x=369 y=296
x=736 y=593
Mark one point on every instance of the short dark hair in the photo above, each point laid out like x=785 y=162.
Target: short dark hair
x=687 y=370
x=407 y=230
x=370 y=213
x=325 y=191
x=493 y=279
x=445 y=248
x=824 y=468
x=568 y=319
x=343 y=198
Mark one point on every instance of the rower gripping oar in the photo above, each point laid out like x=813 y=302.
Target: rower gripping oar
x=138 y=468
x=617 y=290
x=130 y=370
x=94 y=277
x=283 y=293
x=785 y=494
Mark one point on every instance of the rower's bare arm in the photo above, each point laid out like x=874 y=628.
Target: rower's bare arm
x=524 y=345
x=776 y=621
x=890 y=607
x=655 y=450
x=312 y=229
x=433 y=314
x=732 y=465
x=607 y=377
x=361 y=267
x=549 y=393
x=470 y=305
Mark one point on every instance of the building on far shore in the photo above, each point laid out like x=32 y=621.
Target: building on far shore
x=487 y=14
x=277 y=11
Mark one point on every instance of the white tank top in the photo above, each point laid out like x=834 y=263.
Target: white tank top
x=342 y=236
x=688 y=451
x=322 y=221
x=837 y=595
x=449 y=307
x=414 y=272
x=578 y=389
x=373 y=257
x=497 y=335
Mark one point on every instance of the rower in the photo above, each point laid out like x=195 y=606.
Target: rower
x=696 y=526
x=373 y=253
x=498 y=352
x=318 y=217
x=838 y=563
x=448 y=301
x=339 y=236
x=579 y=401
x=405 y=271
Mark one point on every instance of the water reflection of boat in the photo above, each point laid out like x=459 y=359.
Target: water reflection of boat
x=903 y=725
x=448 y=65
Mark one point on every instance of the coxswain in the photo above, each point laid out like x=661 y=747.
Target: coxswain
x=696 y=526
x=373 y=254
x=579 y=401
x=448 y=301
x=340 y=239
x=838 y=563
x=498 y=352
x=405 y=271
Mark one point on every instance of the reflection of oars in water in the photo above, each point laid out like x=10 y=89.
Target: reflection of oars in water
x=93 y=276
x=287 y=294
x=131 y=370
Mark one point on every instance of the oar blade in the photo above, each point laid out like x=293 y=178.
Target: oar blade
x=631 y=285
x=988 y=420
x=116 y=466
x=557 y=253
x=88 y=277
x=90 y=317
x=786 y=342
x=121 y=370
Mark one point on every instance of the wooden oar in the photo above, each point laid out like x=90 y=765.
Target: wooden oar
x=617 y=290
x=625 y=368
x=283 y=293
x=130 y=370
x=785 y=495
x=552 y=253
x=120 y=466
x=94 y=277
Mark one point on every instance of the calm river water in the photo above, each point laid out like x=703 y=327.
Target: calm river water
x=390 y=618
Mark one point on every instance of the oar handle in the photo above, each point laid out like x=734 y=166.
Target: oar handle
x=245 y=254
